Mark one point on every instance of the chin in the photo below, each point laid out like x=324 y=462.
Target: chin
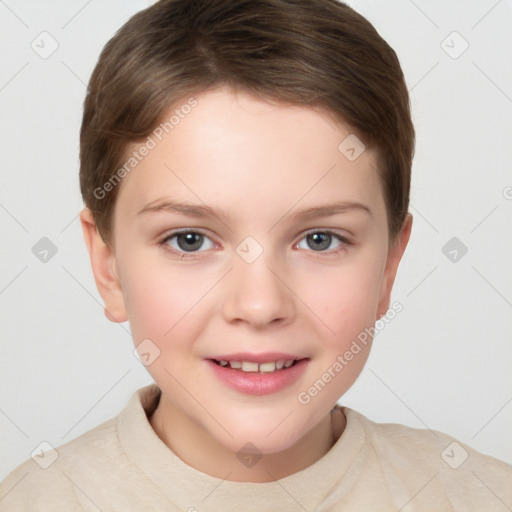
x=268 y=435
x=258 y=442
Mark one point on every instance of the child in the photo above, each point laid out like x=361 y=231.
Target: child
x=245 y=167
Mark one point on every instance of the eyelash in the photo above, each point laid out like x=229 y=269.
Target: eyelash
x=184 y=254
x=344 y=242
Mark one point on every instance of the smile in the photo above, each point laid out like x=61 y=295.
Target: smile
x=252 y=367
x=262 y=377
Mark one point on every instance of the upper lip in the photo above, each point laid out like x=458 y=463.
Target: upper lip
x=264 y=357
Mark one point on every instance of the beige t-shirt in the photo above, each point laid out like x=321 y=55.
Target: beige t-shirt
x=122 y=465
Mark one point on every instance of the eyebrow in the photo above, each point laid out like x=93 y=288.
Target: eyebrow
x=204 y=211
x=330 y=209
x=192 y=210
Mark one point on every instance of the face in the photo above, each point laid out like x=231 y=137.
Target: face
x=245 y=238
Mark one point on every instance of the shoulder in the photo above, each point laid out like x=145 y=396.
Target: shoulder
x=94 y=467
x=436 y=462
x=46 y=480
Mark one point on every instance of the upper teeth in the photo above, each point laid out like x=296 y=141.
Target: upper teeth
x=248 y=366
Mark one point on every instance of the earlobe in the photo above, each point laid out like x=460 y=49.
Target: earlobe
x=104 y=268
x=395 y=253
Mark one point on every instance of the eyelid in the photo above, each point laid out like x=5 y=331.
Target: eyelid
x=329 y=231
x=184 y=254
x=173 y=232
x=344 y=240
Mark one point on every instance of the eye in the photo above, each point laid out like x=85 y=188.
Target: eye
x=188 y=241
x=321 y=241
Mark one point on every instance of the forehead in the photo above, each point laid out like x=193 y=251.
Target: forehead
x=237 y=151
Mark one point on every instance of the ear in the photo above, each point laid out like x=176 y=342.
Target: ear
x=395 y=253
x=104 y=269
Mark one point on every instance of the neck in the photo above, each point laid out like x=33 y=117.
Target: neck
x=194 y=446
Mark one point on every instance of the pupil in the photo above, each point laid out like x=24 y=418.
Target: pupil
x=190 y=241
x=319 y=241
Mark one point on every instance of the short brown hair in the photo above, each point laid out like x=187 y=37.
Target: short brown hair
x=304 y=52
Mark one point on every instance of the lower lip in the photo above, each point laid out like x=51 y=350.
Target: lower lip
x=256 y=383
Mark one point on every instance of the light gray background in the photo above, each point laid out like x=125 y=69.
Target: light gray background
x=444 y=362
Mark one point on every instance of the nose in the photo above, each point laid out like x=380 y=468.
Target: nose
x=257 y=295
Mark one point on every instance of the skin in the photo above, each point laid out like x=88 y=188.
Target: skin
x=260 y=163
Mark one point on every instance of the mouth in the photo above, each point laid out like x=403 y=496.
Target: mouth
x=255 y=367
x=258 y=374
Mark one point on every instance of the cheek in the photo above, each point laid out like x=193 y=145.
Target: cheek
x=160 y=298
x=343 y=297
x=344 y=300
